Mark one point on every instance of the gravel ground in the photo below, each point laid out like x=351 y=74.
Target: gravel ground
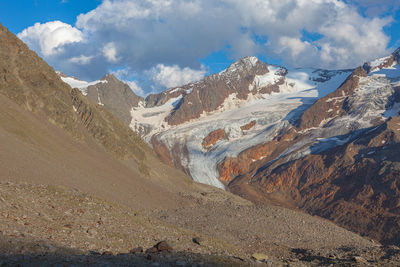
x=53 y=226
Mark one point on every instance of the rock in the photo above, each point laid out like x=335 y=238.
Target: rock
x=136 y=250
x=92 y=232
x=68 y=225
x=151 y=250
x=359 y=259
x=163 y=246
x=259 y=256
x=248 y=126
x=197 y=240
x=213 y=137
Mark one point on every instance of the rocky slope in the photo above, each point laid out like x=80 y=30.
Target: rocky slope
x=49 y=225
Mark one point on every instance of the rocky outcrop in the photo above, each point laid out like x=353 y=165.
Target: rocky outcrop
x=213 y=137
x=248 y=126
x=231 y=167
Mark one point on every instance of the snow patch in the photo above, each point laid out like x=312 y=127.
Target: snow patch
x=81 y=85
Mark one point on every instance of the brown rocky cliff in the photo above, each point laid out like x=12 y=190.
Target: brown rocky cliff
x=230 y=167
x=153 y=100
x=248 y=126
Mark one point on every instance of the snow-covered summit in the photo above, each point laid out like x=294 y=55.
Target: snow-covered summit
x=242 y=65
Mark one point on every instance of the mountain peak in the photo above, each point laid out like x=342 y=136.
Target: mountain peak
x=109 y=77
x=250 y=60
x=243 y=64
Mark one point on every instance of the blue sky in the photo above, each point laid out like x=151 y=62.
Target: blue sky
x=158 y=44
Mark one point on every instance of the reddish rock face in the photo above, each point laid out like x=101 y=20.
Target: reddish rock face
x=213 y=137
x=248 y=126
x=252 y=157
x=356 y=185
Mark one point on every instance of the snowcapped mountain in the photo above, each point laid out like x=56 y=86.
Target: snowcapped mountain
x=204 y=128
x=196 y=126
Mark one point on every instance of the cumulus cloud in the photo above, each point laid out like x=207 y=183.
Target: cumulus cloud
x=49 y=38
x=172 y=76
x=81 y=60
x=136 y=88
x=163 y=40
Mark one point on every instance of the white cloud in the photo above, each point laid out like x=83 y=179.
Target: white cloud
x=110 y=52
x=49 y=38
x=135 y=88
x=294 y=45
x=171 y=76
x=81 y=60
x=168 y=37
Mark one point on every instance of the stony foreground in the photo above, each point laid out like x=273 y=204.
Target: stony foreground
x=47 y=226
